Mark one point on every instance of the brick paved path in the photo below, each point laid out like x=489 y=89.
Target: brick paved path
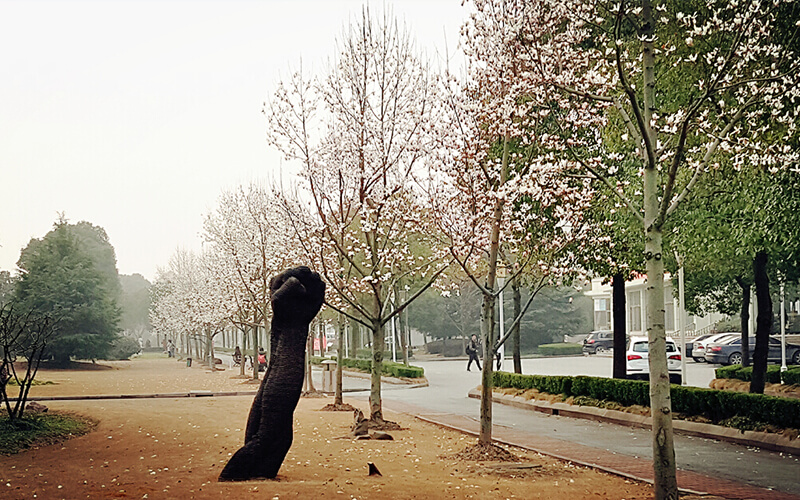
x=627 y=466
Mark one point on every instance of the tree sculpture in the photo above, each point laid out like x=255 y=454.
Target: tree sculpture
x=296 y=296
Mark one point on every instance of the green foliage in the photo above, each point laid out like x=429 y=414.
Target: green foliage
x=68 y=274
x=365 y=353
x=562 y=349
x=713 y=404
x=791 y=376
x=135 y=303
x=733 y=215
x=123 y=348
x=446 y=317
x=389 y=367
x=40 y=429
x=554 y=312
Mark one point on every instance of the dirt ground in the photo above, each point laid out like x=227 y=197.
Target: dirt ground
x=175 y=448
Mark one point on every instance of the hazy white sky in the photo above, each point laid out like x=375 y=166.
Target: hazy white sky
x=135 y=115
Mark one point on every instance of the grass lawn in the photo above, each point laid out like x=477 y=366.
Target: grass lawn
x=40 y=429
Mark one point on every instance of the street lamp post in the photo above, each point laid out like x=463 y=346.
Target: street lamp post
x=783 y=332
x=681 y=320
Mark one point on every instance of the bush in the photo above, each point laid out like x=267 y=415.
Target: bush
x=792 y=375
x=727 y=371
x=713 y=404
x=746 y=373
x=123 y=348
x=389 y=367
x=561 y=349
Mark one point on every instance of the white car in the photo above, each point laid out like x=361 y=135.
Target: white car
x=637 y=355
x=699 y=346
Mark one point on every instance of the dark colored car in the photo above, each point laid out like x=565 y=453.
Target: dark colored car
x=598 y=342
x=729 y=352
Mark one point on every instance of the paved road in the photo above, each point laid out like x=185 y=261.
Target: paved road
x=450 y=383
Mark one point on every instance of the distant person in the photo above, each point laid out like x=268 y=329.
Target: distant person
x=262 y=359
x=472 y=351
x=237 y=356
x=171 y=349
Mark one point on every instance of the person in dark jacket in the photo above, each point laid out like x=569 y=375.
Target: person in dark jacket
x=472 y=351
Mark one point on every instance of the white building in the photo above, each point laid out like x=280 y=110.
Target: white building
x=635 y=309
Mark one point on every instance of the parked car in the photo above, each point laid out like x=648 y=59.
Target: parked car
x=729 y=351
x=690 y=346
x=699 y=344
x=598 y=341
x=637 y=354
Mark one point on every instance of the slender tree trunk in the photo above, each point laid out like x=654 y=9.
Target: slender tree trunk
x=620 y=330
x=516 y=341
x=487 y=332
x=402 y=321
x=378 y=341
x=210 y=349
x=255 y=351
x=764 y=321
x=744 y=321
x=338 y=399
x=309 y=380
x=664 y=465
x=487 y=309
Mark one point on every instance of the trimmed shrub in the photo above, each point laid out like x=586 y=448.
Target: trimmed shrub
x=791 y=376
x=746 y=373
x=389 y=367
x=714 y=404
x=727 y=371
x=561 y=349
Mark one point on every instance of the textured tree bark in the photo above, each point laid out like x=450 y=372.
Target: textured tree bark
x=618 y=308
x=296 y=296
x=338 y=399
x=763 y=323
x=665 y=482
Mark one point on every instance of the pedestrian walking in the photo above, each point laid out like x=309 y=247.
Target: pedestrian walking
x=473 y=348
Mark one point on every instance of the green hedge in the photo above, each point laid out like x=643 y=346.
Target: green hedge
x=562 y=349
x=714 y=404
x=388 y=367
x=790 y=376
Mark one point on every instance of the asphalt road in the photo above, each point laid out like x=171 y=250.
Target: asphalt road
x=450 y=383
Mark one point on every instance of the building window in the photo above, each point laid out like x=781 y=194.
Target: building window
x=634 y=312
x=602 y=314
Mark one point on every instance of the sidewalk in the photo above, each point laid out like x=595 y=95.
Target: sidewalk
x=626 y=466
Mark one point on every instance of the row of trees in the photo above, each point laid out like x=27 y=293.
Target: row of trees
x=575 y=142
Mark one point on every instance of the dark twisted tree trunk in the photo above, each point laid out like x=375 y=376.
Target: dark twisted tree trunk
x=618 y=311
x=296 y=296
x=763 y=323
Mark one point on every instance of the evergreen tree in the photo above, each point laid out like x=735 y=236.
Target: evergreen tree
x=59 y=276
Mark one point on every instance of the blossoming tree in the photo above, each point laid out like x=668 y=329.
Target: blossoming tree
x=503 y=194
x=692 y=84
x=362 y=135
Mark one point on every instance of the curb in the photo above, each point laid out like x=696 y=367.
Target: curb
x=765 y=440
